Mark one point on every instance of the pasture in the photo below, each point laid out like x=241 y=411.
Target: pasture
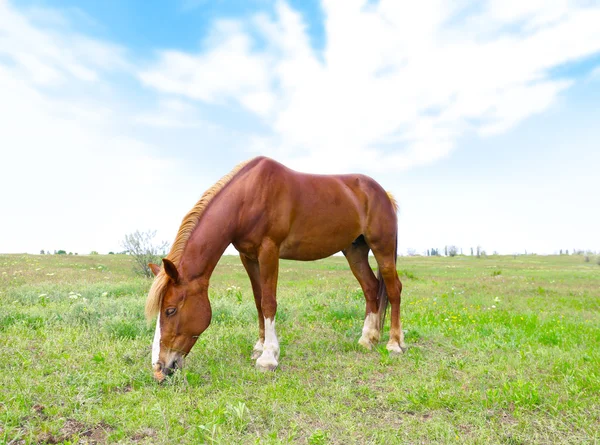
x=501 y=350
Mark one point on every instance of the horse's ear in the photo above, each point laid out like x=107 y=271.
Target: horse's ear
x=171 y=270
x=155 y=268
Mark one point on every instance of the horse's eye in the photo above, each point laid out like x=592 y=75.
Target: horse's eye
x=170 y=311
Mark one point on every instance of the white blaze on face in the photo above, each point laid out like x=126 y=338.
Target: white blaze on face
x=156 y=343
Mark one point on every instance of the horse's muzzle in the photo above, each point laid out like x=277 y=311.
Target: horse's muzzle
x=161 y=372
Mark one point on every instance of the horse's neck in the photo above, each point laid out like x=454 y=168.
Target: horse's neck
x=209 y=240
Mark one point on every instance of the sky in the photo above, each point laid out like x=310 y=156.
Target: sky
x=482 y=118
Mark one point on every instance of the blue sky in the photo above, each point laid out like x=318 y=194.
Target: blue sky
x=481 y=117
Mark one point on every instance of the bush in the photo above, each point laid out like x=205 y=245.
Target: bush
x=142 y=247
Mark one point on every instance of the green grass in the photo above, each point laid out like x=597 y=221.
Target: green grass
x=502 y=350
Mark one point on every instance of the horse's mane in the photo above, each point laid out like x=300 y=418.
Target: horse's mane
x=393 y=200
x=189 y=223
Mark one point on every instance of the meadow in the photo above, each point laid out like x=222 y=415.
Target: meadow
x=502 y=350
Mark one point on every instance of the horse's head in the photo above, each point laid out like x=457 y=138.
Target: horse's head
x=183 y=315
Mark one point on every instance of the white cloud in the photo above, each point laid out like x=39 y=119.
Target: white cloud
x=397 y=83
x=74 y=176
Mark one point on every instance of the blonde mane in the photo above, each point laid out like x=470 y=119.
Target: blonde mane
x=189 y=223
x=393 y=200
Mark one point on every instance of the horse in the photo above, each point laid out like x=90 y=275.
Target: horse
x=270 y=212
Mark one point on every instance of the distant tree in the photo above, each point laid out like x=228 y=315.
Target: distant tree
x=471 y=251
x=70 y=253
x=42 y=252
x=445 y=250
x=567 y=252
x=61 y=252
x=93 y=252
x=560 y=253
x=144 y=249
x=451 y=251
x=111 y=253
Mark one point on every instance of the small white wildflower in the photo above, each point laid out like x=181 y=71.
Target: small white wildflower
x=39 y=268
x=493 y=306
x=446 y=319
x=50 y=274
x=104 y=294
x=497 y=300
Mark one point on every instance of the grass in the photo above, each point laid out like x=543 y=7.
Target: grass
x=502 y=350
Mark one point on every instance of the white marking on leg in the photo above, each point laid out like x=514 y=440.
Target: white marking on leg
x=156 y=342
x=258 y=349
x=270 y=354
x=370 y=332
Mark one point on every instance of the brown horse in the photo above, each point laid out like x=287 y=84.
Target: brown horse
x=268 y=212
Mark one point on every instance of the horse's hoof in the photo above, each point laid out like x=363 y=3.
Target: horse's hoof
x=266 y=365
x=256 y=354
x=365 y=343
x=395 y=348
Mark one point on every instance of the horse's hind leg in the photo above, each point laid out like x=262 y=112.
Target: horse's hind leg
x=358 y=259
x=268 y=260
x=386 y=259
x=253 y=271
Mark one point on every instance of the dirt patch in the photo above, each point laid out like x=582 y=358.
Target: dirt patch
x=144 y=435
x=74 y=430
x=123 y=389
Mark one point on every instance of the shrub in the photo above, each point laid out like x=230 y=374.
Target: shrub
x=142 y=247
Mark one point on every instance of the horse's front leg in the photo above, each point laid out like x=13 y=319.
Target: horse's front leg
x=252 y=269
x=268 y=260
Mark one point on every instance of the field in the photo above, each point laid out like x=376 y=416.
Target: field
x=502 y=350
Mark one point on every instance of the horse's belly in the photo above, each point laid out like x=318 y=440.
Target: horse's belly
x=314 y=245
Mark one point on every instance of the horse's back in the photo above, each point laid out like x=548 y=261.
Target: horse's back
x=314 y=216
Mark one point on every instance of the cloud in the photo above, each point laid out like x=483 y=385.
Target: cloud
x=395 y=86
x=75 y=173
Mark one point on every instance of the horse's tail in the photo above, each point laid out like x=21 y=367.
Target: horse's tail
x=382 y=296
